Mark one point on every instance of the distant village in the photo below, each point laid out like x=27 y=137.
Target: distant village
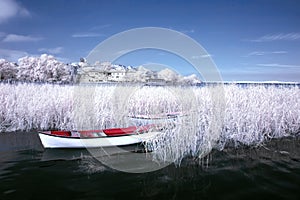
x=47 y=68
x=108 y=72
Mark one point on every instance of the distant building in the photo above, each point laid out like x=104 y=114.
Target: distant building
x=102 y=72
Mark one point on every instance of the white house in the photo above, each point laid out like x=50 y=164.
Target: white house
x=102 y=72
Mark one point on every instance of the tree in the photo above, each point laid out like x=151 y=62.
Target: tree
x=190 y=80
x=168 y=75
x=8 y=70
x=43 y=69
x=142 y=74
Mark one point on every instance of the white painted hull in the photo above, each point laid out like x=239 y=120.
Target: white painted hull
x=50 y=141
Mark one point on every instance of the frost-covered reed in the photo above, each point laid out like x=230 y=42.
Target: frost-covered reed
x=210 y=117
x=256 y=113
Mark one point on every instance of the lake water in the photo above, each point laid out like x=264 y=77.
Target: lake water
x=270 y=171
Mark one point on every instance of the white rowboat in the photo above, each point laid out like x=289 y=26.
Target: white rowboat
x=97 y=138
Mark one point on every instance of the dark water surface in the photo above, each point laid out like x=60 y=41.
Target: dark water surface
x=27 y=171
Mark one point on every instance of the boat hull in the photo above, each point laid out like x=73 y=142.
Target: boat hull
x=51 y=141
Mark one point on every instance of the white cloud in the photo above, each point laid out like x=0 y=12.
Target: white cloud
x=10 y=8
x=84 y=35
x=262 y=53
x=188 y=31
x=257 y=53
x=276 y=65
x=201 y=56
x=279 y=52
x=206 y=56
x=56 y=50
x=20 y=38
x=279 y=36
x=12 y=55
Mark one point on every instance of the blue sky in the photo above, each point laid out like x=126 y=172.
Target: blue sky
x=256 y=40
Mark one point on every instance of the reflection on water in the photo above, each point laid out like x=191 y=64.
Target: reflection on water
x=268 y=171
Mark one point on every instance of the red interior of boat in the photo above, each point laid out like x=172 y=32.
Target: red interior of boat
x=61 y=133
x=108 y=132
x=119 y=131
